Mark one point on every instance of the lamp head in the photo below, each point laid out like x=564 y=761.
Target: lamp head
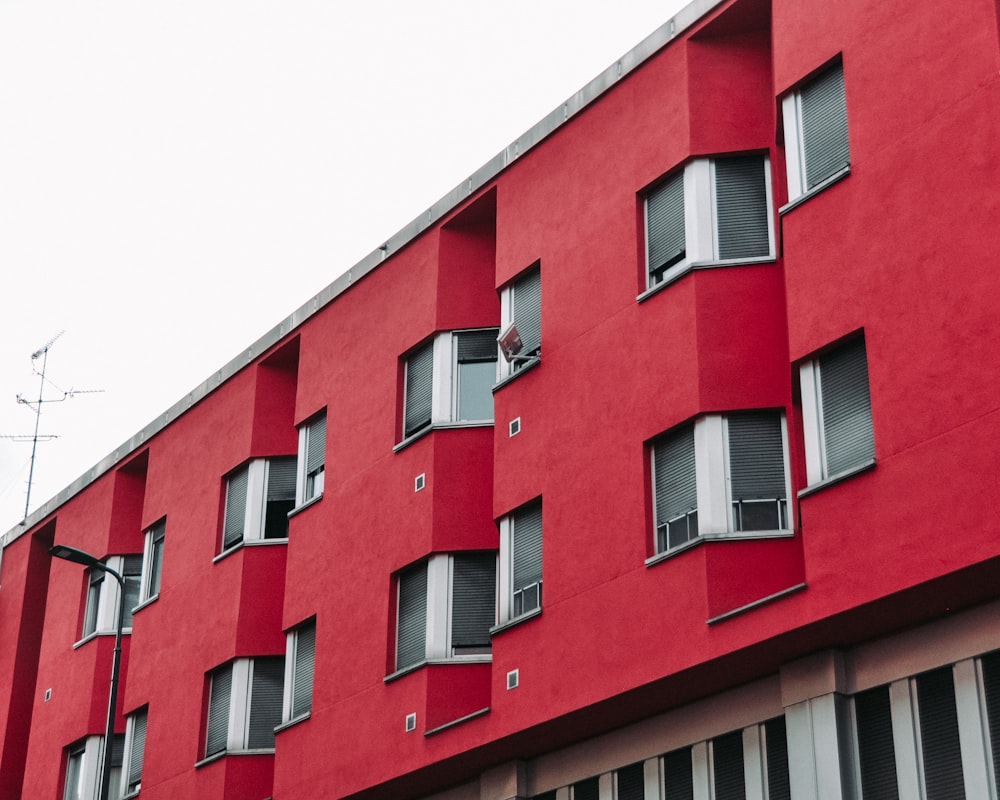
x=68 y=553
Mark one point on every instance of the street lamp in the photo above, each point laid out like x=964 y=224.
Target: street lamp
x=92 y=562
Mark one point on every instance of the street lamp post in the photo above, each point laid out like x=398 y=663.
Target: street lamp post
x=92 y=562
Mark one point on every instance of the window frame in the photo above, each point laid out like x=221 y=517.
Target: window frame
x=100 y=615
x=310 y=483
x=529 y=356
x=713 y=461
x=90 y=751
x=700 y=201
x=293 y=654
x=240 y=706
x=130 y=788
x=507 y=607
x=152 y=562
x=255 y=509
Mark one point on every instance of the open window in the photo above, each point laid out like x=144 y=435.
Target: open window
x=259 y=496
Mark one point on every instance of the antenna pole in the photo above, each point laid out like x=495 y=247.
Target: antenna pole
x=38 y=417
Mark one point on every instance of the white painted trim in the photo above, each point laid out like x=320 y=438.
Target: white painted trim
x=701 y=771
x=239 y=704
x=710 y=474
x=442 y=389
x=652 y=774
x=699 y=212
x=906 y=741
x=506 y=573
x=291 y=650
x=812 y=429
x=754 y=767
x=605 y=786
x=794 y=161
x=973 y=730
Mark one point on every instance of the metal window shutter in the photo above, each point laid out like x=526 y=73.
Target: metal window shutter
x=741 y=207
x=411 y=634
x=302 y=675
x=316 y=445
x=776 y=751
x=132 y=565
x=477 y=345
x=665 y=242
x=631 y=783
x=137 y=749
x=527 y=547
x=756 y=458
x=847 y=409
x=939 y=741
x=117 y=749
x=217 y=730
x=678 y=777
x=474 y=593
x=824 y=127
x=526 y=311
x=281 y=479
x=727 y=763
x=991 y=685
x=876 y=749
x=587 y=790
x=674 y=478
x=266 y=695
x=236 y=506
x=419 y=388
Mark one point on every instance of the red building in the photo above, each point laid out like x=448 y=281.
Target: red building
x=751 y=274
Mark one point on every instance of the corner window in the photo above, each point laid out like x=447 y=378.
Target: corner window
x=311 y=460
x=152 y=561
x=134 y=750
x=445 y=608
x=449 y=380
x=837 y=412
x=816 y=142
x=259 y=496
x=721 y=475
x=300 y=662
x=101 y=612
x=244 y=705
x=521 y=309
x=713 y=211
x=83 y=773
x=521 y=562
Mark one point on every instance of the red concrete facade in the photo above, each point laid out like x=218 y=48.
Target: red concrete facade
x=636 y=646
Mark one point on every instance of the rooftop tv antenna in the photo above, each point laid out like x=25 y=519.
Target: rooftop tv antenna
x=36 y=406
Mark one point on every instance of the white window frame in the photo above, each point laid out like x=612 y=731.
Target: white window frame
x=438 y=644
x=716 y=517
x=255 y=510
x=304 y=492
x=106 y=621
x=127 y=757
x=155 y=539
x=505 y=583
x=91 y=754
x=701 y=228
x=291 y=661
x=507 y=368
x=240 y=706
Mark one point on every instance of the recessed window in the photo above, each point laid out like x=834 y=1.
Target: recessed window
x=101 y=612
x=83 y=762
x=244 y=705
x=259 y=496
x=152 y=561
x=311 y=464
x=837 y=412
x=445 y=608
x=300 y=662
x=134 y=752
x=713 y=211
x=521 y=306
x=521 y=562
x=816 y=141
x=721 y=474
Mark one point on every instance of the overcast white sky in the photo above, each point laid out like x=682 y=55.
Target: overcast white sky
x=178 y=177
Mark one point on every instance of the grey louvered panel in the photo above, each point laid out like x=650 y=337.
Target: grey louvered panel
x=587 y=790
x=316 y=445
x=631 y=782
x=939 y=742
x=474 y=594
x=526 y=310
x=678 y=775
x=281 y=479
x=876 y=747
x=527 y=547
x=665 y=239
x=302 y=674
x=477 y=345
x=824 y=127
x=117 y=749
x=137 y=750
x=266 y=695
x=411 y=630
x=776 y=750
x=217 y=730
x=674 y=476
x=756 y=457
x=419 y=389
x=727 y=767
x=847 y=410
x=991 y=685
x=236 y=506
x=741 y=207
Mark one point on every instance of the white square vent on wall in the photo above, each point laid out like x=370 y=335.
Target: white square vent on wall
x=515 y=426
x=411 y=722
x=513 y=678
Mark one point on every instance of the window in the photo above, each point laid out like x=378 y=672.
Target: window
x=312 y=460
x=259 y=496
x=449 y=380
x=521 y=562
x=83 y=768
x=244 y=705
x=837 y=412
x=721 y=475
x=589 y=789
x=152 y=561
x=521 y=306
x=101 y=612
x=630 y=783
x=713 y=211
x=300 y=661
x=134 y=750
x=816 y=142
x=445 y=608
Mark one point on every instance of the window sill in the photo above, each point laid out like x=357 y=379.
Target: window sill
x=438 y=662
x=735 y=536
x=284 y=726
x=130 y=795
x=756 y=604
x=834 y=479
x=837 y=176
x=143 y=604
x=527 y=366
x=310 y=502
x=508 y=624
x=687 y=269
x=251 y=543
x=98 y=634
x=266 y=751
x=439 y=426
x=458 y=721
